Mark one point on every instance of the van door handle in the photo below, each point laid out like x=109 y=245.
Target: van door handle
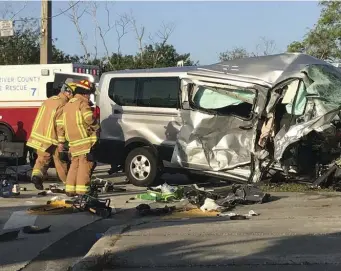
x=117 y=111
x=246 y=127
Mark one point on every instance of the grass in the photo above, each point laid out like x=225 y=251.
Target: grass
x=292 y=187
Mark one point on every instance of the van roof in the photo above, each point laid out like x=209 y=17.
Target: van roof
x=183 y=69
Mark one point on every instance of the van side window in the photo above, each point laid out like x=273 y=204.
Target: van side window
x=224 y=101
x=159 y=92
x=50 y=90
x=122 y=91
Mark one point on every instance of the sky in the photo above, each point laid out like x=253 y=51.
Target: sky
x=202 y=28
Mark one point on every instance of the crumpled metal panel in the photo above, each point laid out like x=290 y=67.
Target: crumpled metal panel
x=265 y=70
x=322 y=107
x=284 y=139
x=216 y=142
x=211 y=142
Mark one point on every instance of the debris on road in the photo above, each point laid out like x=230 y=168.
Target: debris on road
x=60 y=205
x=53 y=207
x=35 y=229
x=94 y=205
x=210 y=205
x=56 y=189
x=187 y=199
x=102 y=186
x=234 y=216
x=43 y=193
x=162 y=193
x=145 y=210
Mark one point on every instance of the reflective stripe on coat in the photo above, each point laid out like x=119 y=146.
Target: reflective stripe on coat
x=78 y=127
x=44 y=130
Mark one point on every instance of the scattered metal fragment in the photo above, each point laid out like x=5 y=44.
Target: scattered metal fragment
x=145 y=210
x=43 y=193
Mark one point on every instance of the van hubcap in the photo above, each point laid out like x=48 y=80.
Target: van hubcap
x=140 y=167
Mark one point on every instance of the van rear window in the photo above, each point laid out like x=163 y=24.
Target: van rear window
x=122 y=91
x=159 y=92
x=145 y=92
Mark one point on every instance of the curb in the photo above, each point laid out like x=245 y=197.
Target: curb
x=97 y=255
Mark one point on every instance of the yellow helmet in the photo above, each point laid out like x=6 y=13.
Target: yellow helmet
x=83 y=87
x=71 y=87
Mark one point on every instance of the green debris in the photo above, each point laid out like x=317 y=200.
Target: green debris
x=164 y=193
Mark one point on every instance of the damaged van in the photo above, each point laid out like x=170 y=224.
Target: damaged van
x=238 y=120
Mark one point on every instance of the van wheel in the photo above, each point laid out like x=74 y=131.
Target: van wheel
x=141 y=167
x=5 y=131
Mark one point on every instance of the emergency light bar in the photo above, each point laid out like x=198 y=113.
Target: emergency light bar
x=94 y=72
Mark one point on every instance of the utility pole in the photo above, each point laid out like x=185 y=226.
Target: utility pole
x=46 y=32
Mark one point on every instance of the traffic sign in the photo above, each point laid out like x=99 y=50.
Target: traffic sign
x=6 y=28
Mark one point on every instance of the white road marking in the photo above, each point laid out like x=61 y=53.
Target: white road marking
x=20 y=219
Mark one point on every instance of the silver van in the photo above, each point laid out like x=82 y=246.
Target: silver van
x=236 y=119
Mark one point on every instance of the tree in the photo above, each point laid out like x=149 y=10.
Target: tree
x=263 y=48
x=238 y=52
x=324 y=39
x=23 y=47
x=59 y=56
x=161 y=56
x=155 y=52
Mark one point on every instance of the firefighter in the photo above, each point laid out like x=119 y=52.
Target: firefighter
x=44 y=138
x=80 y=130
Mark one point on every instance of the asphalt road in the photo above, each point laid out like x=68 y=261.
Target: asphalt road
x=297 y=231
x=71 y=235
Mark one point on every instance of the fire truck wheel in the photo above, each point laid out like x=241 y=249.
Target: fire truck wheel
x=6 y=132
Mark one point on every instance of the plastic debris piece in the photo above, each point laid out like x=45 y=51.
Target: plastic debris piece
x=35 y=229
x=210 y=205
x=252 y=213
x=163 y=193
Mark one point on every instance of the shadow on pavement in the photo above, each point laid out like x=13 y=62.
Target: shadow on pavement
x=307 y=252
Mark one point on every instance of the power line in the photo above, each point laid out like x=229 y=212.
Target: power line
x=64 y=11
x=54 y=16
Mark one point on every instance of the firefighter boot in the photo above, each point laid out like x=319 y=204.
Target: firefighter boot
x=38 y=182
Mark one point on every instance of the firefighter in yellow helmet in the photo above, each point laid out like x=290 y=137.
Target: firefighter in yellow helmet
x=80 y=130
x=44 y=136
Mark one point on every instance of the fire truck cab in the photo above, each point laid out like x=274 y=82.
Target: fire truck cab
x=24 y=87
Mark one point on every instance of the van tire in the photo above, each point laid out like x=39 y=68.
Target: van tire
x=142 y=157
x=4 y=130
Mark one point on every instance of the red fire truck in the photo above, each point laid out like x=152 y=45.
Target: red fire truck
x=24 y=87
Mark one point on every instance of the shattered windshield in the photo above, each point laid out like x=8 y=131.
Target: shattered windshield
x=224 y=101
x=326 y=83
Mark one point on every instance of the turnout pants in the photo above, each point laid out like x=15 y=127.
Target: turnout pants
x=79 y=175
x=43 y=161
